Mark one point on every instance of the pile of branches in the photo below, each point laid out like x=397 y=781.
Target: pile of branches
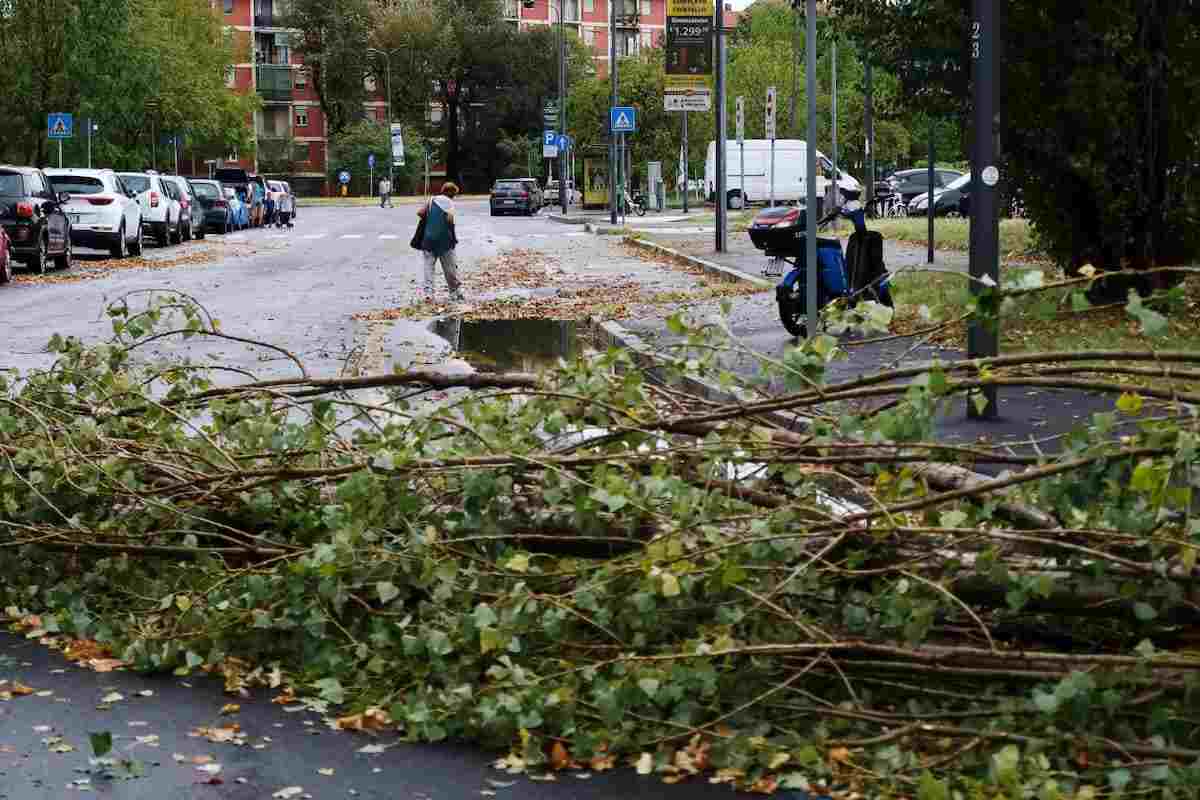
x=590 y=568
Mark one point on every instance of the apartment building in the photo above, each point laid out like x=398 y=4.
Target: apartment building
x=290 y=128
x=641 y=24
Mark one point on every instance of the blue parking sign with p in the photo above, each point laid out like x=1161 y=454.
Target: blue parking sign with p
x=60 y=126
x=549 y=138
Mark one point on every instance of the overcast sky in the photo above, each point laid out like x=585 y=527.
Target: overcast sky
x=738 y=5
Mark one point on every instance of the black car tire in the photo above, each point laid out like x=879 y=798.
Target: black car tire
x=185 y=232
x=63 y=261
x=37 y=262
x=136 y=247
x=791 y=314
x=6 y=270
x=200 y=231
x=175 y=236
x=120 y=247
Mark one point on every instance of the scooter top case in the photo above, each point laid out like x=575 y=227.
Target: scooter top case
x=780 y=232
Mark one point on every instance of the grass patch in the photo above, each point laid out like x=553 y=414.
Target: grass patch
x=1045 y=321
x=1016 y=236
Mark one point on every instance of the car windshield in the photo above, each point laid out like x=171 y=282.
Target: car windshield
x=960 y=182
x=76 y=184
x=137 y=183
x=11 y=185
x=509 y=185
x=205 y=190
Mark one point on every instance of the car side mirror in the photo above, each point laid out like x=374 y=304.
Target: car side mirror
x=63 y=198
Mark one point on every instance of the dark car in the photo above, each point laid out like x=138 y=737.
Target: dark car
x=912 y=182
x=191 y=213
x=211 y=199
x=33 y=217
x=509 y=196
x=953 y=200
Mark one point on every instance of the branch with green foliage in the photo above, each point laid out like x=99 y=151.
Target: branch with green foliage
x=586 y=566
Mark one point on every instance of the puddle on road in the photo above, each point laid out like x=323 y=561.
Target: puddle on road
x=516 y=345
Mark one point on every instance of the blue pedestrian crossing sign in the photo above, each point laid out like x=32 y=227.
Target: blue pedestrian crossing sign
x=622 y=119
x=344 y=177
x=371 y=161
x=60 y=126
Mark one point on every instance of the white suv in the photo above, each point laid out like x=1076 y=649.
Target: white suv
x=160 y=213
x=103 y=211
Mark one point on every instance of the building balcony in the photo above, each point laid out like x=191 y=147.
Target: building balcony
x=274 y=82
x=264 y=20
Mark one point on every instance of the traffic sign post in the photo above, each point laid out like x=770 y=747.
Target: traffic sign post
x=371 y=175
x=740 y=119
x=770 y=129
x=622 y=119
x=550 y=144
x=60 y=126
x=689 y=55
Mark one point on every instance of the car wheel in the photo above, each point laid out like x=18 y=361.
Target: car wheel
x=136 y=247
x=176 y=236
x=5 y=270
x=185 y=233
x=200 y=231
x=162 y=235
x=37 y=264
x=120 y=247
x=63 y=261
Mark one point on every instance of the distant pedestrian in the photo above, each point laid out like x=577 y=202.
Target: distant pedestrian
x=385 y=193
x=440 y=240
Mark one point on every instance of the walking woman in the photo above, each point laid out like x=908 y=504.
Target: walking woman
x=439 y=242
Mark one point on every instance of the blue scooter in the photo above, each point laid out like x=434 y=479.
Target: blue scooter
x=782 y=234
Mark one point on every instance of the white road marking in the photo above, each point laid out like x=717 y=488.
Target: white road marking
x=577 y=233
x=351 y=236
x=276 y=235
x=388 y=236
x=315 y=236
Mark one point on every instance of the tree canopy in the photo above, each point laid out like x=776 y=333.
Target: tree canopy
x=137 y=68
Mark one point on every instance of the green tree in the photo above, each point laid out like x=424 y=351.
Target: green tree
x=352 y=148
x=1099 y=120
x=333 y=40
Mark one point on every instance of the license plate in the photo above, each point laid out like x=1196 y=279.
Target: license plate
x=510 y=202
x=774 y=268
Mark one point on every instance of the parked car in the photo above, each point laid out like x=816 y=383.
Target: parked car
x=191 y=213
x=160 y=213
x=535 y=189
x=33 y=217
x=953 y=200
x=911 y=182
x=211 y=198
x=550 y=196
x=239 y=211
x=514 y=195
x=6 y=268
x=103 y=211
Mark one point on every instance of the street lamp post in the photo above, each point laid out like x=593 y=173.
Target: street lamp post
x=387 y=87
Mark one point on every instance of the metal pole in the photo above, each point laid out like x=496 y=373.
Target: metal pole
x=837 y=176
x=720 y=193
x=984 y=340
x=612 y=139
x=562 y=108
x=869 y=102
x=795 y=73
x=89 y=124
x=742 y=180
x=810 y=214
x=932 y=178
x=685 y=163
x=60 y=153
x=772 y=169
x=387 y=60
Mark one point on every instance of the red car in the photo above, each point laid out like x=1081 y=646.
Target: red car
x=5 y=259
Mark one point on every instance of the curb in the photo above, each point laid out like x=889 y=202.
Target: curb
x=710 y=267
x=567 y=220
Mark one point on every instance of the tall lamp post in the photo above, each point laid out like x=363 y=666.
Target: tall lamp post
x=387 y=87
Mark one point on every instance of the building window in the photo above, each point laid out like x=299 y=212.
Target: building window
x=230 y=76
x=229 y=10
x=647 y=41
x=646 y=8
x=627 y=42
x=589 y=37
x=570 y=10
x=510 y=9
x=301 y=77
x=589 y=6
x=302 y=118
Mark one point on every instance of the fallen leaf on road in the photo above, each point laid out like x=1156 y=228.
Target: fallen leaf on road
x=112 y=697
x=372 y=749
x=373 y=719
x=559 y=757
x=326 y=771
x=645 y=764
x=21 y=690
x=230 y=708
x=211 y=769
x=290 y=791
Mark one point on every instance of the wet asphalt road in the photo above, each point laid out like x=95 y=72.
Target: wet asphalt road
x=297 y=289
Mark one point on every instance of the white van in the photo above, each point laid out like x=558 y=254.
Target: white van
x=791 y=161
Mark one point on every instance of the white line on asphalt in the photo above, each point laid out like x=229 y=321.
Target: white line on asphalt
x=388 y=236
x=351 y=236
x=314 y=236
x=276 y=235
x=577 y=233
